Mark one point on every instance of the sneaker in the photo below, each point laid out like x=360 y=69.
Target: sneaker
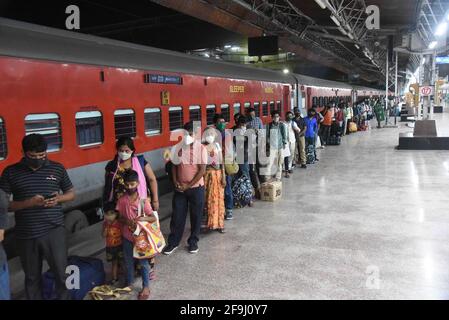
x=304 y=166
x=229 y=215
x=168 y=250
x=290 y=171
x=193 y=248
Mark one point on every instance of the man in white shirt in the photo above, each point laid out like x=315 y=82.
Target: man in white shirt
x=292 y=130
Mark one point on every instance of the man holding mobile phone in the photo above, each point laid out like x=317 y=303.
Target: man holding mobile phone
x=36 y=184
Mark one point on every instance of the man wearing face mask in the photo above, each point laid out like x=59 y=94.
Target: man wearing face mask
x=36 y=184
x=189 y=167
x=276 y=141
x=255 y=123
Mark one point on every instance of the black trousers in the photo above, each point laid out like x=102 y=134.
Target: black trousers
x=51 y=247
x=324 y=134
x=254 y=176
x=192 y=199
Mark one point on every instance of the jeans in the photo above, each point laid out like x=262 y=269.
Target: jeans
x=51 y=247
x=229 y=198
x=324 y=134
x=128 y=256
x=193 y=199
x=5 y=293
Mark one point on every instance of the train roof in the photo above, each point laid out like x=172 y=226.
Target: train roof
x=25 y=40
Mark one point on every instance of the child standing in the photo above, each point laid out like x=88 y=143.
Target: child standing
x=113 y=234
x=128 y=206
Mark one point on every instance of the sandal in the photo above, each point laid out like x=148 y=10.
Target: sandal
x=152 y=275
x=143 y=296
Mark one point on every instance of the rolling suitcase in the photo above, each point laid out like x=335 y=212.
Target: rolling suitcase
x=334 y=140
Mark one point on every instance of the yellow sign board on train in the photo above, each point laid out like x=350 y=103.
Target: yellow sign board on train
x=165 y=98
x=237 y=89
x=269 y=90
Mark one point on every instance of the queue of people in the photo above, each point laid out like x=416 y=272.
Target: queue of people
x=211 y=174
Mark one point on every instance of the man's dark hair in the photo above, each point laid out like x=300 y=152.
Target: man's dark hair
x=131 y=176
x=125 y=141
x=288 y=113
x=241 y=120
x=218 y=116
x=188 y=126
x=275 y=112
x=35 y=143
x=249 y=110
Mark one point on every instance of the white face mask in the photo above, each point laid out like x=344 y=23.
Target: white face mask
x=124 y=155
x=188 y=140
x=210 y=139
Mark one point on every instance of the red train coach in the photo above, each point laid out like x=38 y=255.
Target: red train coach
x=83 y=92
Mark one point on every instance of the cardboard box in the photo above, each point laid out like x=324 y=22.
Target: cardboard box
x=271 y=191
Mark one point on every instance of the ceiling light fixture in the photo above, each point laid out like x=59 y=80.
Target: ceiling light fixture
x=357 y=46
x=350 y=36
x=433 y=44
x=441 y=29
x=321 y=3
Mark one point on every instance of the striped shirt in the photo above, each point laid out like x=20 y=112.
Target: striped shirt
x=24 y=183
x=254 y=123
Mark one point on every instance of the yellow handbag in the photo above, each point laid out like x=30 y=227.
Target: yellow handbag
x=148 y=238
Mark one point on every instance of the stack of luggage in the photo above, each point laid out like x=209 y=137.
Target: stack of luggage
x=310 y=150
x=335 y=135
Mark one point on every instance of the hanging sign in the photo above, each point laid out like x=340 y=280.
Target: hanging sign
x=426 y=91
x=165 y=98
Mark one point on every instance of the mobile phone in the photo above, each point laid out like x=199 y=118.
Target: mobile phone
x=49 y=196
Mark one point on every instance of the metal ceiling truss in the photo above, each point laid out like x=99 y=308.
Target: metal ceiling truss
x=431 y=14
x=329 y=41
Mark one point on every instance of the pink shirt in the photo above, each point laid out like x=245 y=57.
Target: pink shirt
x=129 y=210
x=188 y=167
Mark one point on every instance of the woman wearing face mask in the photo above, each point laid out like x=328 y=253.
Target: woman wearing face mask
x=215 y=182
x=125 y=160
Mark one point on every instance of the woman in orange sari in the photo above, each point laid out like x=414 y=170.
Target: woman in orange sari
x=215 y=181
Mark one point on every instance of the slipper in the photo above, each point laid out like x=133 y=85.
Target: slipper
x=152 y=275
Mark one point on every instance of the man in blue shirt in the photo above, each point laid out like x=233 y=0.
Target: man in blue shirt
x=312 y=128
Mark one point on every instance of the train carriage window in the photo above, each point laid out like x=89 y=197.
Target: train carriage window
x=257 y=108
x=321 y=101
x=265 y=109
x=210 y=113
x=125 y=123
x=48 y=125
x=237 y=108
x=279 y=106
x=89 y=128
x=246 y=106
x=272 y=106
x=315 y=101
x=153 y=121
x=176 y=119
x=3 y=144
x=195 y=113
x=326 y=101
x=225 y=112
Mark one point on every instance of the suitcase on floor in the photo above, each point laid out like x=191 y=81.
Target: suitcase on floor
x=334 y=141
x=91 y=272
x=310 y=150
